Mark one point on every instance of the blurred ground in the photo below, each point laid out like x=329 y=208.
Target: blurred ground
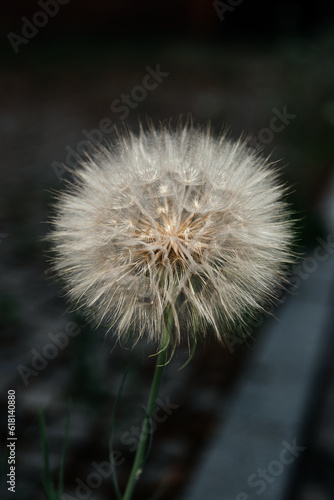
x=50 y=94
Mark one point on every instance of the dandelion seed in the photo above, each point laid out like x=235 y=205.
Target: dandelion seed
x=177 y=220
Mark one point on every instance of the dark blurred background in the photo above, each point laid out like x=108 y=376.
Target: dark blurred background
x=71 y=70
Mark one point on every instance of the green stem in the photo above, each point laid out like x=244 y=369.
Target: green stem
x=146 y=427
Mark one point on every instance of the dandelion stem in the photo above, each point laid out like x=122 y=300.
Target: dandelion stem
x=146 y=427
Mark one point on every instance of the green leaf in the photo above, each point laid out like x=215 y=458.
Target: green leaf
x=64 y=450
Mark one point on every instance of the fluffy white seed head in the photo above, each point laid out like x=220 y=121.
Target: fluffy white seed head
x=172 y=220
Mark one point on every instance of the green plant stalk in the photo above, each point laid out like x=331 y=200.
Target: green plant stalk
x=146 y=427
x=46 y=478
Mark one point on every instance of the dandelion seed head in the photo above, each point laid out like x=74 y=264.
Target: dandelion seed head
x=177 y=220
